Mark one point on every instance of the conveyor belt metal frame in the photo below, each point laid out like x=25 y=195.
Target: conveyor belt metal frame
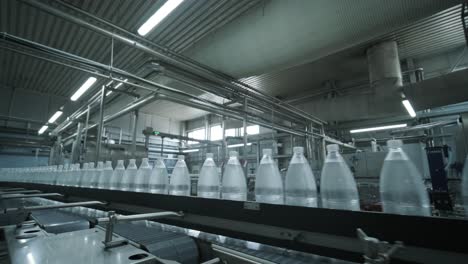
x=319 y=231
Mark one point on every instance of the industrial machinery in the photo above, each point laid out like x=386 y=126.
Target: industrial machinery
x=195 y=230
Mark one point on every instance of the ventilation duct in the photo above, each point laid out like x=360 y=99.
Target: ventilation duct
x=384 y=66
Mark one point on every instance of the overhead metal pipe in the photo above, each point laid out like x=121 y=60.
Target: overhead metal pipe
x=127 y=109
x=204 y=73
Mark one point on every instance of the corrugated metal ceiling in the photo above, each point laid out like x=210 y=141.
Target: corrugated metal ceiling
x=440 y=32
x=190 y=22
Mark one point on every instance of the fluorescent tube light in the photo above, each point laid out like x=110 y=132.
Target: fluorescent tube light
x=83 y=88
x=190 y=150
x=43 y=128
x=120 y=84
x=238 y=145
x=159 y=16
x=376 y=128
x=117 y=86
x=55 y=116
x=409 y=108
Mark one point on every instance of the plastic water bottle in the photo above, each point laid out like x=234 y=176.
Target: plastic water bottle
x=208 y=182
x=159 y=180
x=65 y=175
x=301 y=189
x=180 y=179
x=93 y=183
x=106 y=176
x=81 y=180
x=234 y=182
x=142 y=176
x=70 y=174
x=337 y=184
x=402 y=189
x=58 y=174
x=268 y=183
x=128 y=178
x=89 y=175
x=117 y=175
x=464 y=186
x=76 y=176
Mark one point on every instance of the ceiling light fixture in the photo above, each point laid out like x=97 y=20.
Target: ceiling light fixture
x=83 y=88
x=159 y=16
x=190 y=150
x=409 y=108
x=376 y=128
x=238 y=145
x=42 y=130
x=117 y=86
x=55 y=116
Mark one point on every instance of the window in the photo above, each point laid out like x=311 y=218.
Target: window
x=230 y=132
x=196 y=134
x=216 y=132
x=251 y=130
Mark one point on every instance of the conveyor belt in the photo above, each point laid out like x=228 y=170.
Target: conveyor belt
x=166 y=245
x=280 y=256
x=55 y=221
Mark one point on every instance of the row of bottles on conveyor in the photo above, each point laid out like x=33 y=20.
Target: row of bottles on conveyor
x=401 y=186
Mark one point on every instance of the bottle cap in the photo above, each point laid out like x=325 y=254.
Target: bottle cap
x=181 y=157
x=108 y=163
x=395 y=143
x=267 y=152
x=233 y=154
x=298 y=150
x=90 y=164
x=333 y=147
x=144 y=160
x=100 y=163
x=132 y=160
x=209 y=155
x=120 y=162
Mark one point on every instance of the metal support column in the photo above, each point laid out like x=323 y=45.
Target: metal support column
x=323 y=145
x=224 y=149
x=162 y=146
x=85 y=136
x=134 y=129
x=244 y=125
x=100 y=124
x=75 y=152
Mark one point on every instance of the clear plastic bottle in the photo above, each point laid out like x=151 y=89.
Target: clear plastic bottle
x=142 y=176
x=402 y=189
x=301 y=189
x=81 y=180
x=234 y=185
x=117 y=175
x=464 y=186
x=180 y=178
x=159 y=180
x=75 y=177
x=88 y=176
x=70 y=174
x=208 y=182
x=105 y=176
x=128 y=178
x=337 y=185
x=268 y=183
x=58 y=175
x=93 y=183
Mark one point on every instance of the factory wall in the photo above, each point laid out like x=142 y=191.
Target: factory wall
x=145 y=119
